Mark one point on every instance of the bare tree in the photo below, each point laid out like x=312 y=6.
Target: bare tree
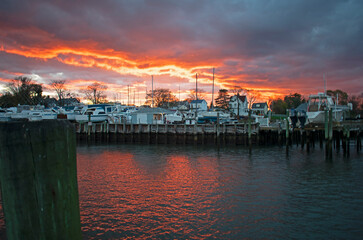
x=238 y=90
x=192 y=95
x=25 y=91
x=95 y=93
x=60 y=89
x=162 y=98
x=252 y=97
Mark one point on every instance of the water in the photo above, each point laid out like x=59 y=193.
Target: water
x=202 y=192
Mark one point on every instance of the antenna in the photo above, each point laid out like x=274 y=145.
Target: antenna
x=324 y=83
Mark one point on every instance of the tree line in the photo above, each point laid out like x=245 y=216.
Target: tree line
x=294 y=100
x=22 y=90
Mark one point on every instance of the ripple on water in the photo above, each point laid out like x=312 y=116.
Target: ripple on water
x=199 y=192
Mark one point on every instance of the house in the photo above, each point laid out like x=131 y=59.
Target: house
x=238 y=104
x=260 y=109
x=150 y=116
x=200 y=105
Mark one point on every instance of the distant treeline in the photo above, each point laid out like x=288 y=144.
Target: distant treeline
x=22 y=90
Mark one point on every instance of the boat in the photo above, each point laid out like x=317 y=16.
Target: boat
x=92 y=114
x=319 y=103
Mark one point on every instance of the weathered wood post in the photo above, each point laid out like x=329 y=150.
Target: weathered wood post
x=330 y=135
x=287 y=127
x=326 y=131
x=124 y=126
x=279 y=134
x=358 y=142
x=203 y=134
x=348 y=140
x=307 y=135
x=344 y=141
x=337 y=140
x=38 y=178
x=249 y=131
x=195 y=132
x=303 y=138
x=89 y=126
x=218 y=125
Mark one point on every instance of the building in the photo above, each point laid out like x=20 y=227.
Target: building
x=260 y=109
x=150 y=116
x=238 y=105
x=200 y=105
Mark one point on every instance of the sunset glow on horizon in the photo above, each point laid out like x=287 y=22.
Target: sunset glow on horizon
x=270 y=48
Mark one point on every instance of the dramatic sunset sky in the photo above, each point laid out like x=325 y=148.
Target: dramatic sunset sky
x=273 y=47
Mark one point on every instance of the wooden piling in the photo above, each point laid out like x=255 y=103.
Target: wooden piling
x=287 y=127
x=307 y=134
x=249 y=131
x=39 y=182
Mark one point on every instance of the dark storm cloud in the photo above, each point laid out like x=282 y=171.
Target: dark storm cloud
x=279 y=41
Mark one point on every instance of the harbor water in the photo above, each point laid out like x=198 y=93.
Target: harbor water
x=130 y=191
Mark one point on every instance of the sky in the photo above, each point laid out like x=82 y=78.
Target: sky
x=270 y=47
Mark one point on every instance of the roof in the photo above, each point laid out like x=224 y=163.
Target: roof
x=259 y=105
x=198 y=101
x=242 y=98
x=153 y=111
x=302 y=107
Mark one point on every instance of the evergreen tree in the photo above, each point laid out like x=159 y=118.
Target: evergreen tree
x=223 y=99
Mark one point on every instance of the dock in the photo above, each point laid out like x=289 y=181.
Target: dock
x=339 y=134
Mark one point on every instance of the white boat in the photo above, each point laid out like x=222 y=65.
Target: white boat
x=93 y=114
x=5 y=114
x=318 y=103
x=21 y=115
x=175 y=117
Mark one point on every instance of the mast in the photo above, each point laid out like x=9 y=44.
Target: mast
x=128 y=95
x=324 y=83
x=212 y=105
x=196 y=86
x=196 y=96
x=152 y=91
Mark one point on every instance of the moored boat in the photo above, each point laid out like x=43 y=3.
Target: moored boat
x=319 y=103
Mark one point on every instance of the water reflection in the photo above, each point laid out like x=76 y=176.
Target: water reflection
x=187 y=192
x=194 y=192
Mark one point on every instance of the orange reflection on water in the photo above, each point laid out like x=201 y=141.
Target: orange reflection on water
x=130 y=196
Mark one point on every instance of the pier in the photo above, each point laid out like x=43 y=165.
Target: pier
x=335 y=135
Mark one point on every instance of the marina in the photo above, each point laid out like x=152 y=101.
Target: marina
x=181 y=120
